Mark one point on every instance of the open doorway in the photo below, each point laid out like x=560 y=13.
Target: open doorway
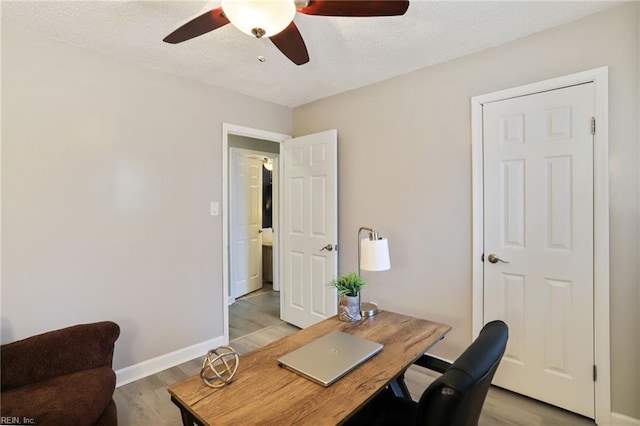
x=251 y=213
x=256 y=300
x=251 y=230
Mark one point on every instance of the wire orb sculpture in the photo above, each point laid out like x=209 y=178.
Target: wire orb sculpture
x=219 y=366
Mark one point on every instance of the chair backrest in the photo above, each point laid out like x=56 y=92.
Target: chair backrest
x=456 y=398
x=57 y=353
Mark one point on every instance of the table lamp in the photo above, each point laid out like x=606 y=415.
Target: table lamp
x=373 y=255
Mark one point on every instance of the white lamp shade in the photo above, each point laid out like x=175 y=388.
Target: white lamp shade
x=374 y=255
x=272 y=16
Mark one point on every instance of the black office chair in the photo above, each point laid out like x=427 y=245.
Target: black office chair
x=455 y=398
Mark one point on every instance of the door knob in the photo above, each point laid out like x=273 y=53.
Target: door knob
x=493 y=258
x=328 y=247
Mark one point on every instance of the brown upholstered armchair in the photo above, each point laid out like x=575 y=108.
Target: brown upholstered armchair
x=62 y=377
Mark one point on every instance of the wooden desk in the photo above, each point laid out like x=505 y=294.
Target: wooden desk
x=266 y=394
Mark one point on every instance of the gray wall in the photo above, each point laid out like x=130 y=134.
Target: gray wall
x=405 y=162
x=107 y=173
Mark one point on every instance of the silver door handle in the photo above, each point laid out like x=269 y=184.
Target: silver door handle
x=328 y=247
x=493 y=258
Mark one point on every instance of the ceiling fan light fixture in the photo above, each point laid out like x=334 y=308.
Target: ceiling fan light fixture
x=259 y=18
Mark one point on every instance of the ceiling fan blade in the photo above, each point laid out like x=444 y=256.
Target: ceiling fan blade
x=290 y=43
x=204 y=23
x=356 y=8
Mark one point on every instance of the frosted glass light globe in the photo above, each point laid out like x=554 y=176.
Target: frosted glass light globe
x=259 y=18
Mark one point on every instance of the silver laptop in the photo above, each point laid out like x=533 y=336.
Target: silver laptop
x=330 y=357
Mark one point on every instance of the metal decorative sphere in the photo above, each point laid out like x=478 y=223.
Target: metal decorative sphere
x=219 y=366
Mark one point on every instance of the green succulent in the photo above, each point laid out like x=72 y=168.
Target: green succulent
x=349 y=285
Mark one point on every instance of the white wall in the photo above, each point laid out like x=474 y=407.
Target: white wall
x=404 y=169
x=107 y=173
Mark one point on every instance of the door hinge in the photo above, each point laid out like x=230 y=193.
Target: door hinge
x=595 y=373
x=593 y=125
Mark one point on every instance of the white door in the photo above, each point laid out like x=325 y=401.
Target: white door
x=309 y=234
x=245 y=223
x=538 y=189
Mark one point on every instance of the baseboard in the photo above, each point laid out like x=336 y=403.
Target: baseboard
x=154 y=365
x=622 y=420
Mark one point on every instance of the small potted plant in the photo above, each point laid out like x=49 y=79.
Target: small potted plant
x=349 y=287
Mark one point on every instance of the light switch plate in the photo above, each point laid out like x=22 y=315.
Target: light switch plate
x=214 y=207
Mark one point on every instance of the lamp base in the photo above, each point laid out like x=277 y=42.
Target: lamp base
x=368 y=309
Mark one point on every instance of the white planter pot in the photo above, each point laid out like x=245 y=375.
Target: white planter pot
x=349 y=308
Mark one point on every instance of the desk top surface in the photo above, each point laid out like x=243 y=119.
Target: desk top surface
x=264 y=393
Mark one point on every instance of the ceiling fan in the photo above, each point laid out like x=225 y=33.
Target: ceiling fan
x=274 y=19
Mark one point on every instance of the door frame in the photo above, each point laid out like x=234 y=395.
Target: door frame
x=233 y=129
x=600 y=78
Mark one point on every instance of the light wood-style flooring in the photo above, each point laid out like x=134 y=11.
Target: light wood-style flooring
x=253 y=312
x=254 y=321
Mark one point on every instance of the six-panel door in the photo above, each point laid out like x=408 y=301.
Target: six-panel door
x=538 y=189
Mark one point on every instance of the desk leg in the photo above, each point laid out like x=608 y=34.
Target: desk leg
x=399 y=387
x=187 y=417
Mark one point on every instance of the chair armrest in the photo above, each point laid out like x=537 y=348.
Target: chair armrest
x=435 y=364
x=57 y=353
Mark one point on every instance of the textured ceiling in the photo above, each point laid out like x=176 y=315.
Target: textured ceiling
x=345 y=53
